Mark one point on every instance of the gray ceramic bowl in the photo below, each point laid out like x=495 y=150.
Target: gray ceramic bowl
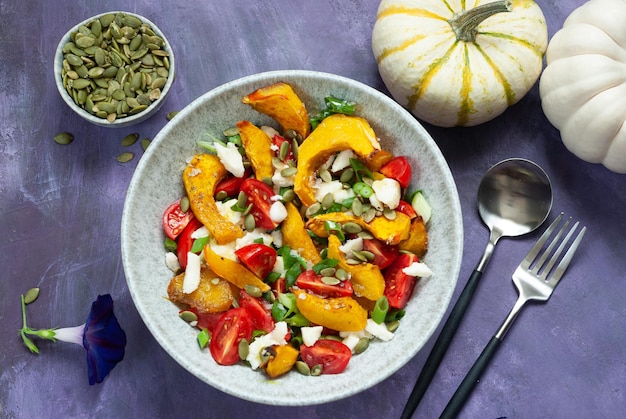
x=157 y=182
x=120 y=122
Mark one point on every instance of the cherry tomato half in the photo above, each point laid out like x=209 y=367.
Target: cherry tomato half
x=233 y=325
x=309 y=280
x=205 y=320
x=258 y=258
x=261 y=316
x=332 y=355
x=384 y=254
x=185 y=241
x=398 y=285
x=399 y=169
x=231 y=184
x=175 y=220
x=278 y=140
x=407 y=209
x=259 y=195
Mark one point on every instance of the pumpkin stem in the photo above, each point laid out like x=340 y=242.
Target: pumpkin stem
x=464 y=23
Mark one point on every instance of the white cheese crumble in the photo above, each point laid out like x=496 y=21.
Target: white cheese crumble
x=171 y=261
x=388 y=191
x=418 y=269
x=251 y=237
x=224 y=208
x=310 y=334
x=225 y=250
x=275 y=337
x=421 y=206
x=279 y=180
x=342 y=160
x=278 y=212
x=279 y=266
x=191 y=279
x=352 y=244
x=200 y=233
x=231 y=158
x=351 y=339
x=378 y=330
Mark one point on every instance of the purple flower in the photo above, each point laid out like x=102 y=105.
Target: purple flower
x=101 y=336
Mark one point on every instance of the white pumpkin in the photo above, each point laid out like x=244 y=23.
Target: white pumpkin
x=459 y=63
x=583 y=88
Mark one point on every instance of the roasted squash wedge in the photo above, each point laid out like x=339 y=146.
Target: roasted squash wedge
x=366 y=278
x=336 y=133
x=343 y=313
x=280 y=102
x=232 y=271
x=417 y=242
x=296 y=236
x=258 y=146
x=281 y=361
x=213 y=294
x=200 y=177
x=388 y=231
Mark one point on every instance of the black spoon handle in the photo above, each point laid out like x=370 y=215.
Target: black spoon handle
x=441 y=345
x=471 y=379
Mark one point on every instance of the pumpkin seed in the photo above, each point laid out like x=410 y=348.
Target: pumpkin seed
x=125 y=157
x=295 y=148
x=365 y=235
x=283 y=151
x=325 y=175
x=313 y=209
x=290 y=134
x=357 y=207
x=393 y=326
x=303 y=368
x=352 y=228
x=145 y=143
x=330 y=280
x=171 y=115
x=243 y=349
x=221 y=195
x=328 y=200
x=361 y=345
x=184 y=204
x=369 y=215
x=129 y=140
x=188 y=316
x=341 y=274
x=316 y=370
x=288 y=171
x=31 y=295
x=328 y=272
x=249 y=222
x=358 y=254
x=253 y=290
x=389 y=214
x=289 y=195
x=63 y=138
x=347 y=175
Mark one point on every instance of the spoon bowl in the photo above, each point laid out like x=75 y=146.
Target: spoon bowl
x=514 y=198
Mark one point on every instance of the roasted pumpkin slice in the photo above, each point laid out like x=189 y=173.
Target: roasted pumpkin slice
x=343 y=313
x=386 y=230
x=296 y=236
x=200 y=177
x=232 y=271
x=258 y=146
x=336 y=133
x=417 y=242
x=281 y=360
x=280 y=102
x=366 y=278
x=213 y=294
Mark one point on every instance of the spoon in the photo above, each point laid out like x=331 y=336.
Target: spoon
x=514 y=198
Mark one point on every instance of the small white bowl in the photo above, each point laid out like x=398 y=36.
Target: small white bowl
x=120 y=121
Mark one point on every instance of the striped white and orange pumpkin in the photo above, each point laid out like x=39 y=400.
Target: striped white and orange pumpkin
x=459 y=62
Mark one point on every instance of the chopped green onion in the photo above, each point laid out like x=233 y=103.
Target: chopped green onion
x=203 y=338
x=334 y=227
x=363 y=189
x=360 y=170
x=198 y=244
x=379 y=313
x=394 y=315
x=272 y=277
x=323 y=264
x=170 y=245
x=333 y=106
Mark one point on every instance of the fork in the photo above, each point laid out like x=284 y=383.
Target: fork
x=533 y=281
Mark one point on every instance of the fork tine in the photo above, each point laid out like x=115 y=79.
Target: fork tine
x=562 y=245
x=534 y=251
x=548 y=251
x=562 y=266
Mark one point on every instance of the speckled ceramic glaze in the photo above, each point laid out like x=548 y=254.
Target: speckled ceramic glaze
x=127 y=120
x=157 y=182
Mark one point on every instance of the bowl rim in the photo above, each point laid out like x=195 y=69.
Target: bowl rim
x=455 y=244
x=127 y=120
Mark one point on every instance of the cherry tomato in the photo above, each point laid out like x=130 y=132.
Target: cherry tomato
x=399 y=169
x=309 y=280
x=233 y=325
x=185 y=241
x=231 y=184
x=259 y=195
x=261 y=316
x=332 y=355
x=258 y=258
x=278 y=140
x=175 y=220
x=279 y=286
x=206 y=320
x=384 y=254
x=398 y=285
x=407 y=209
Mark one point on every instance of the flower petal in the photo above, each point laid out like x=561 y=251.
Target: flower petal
x=103 y=339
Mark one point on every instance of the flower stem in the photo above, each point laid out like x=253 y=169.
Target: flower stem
x=464 y=24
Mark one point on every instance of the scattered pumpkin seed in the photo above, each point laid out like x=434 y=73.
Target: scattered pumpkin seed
x=184 y=203
x=63 y=138
x=221 y=195
x=125 y=157
x=330 y=280
x=361 y=345
x=365 y=235
x=341 y=274
x=289 y=195
x=389 y=214
x=249 y=222
x=253 y=290
x=145 y=143
x=243 y=348
x=369 y=215
x=303 y=368
x=393 y=326
x=347 y=175
x=359 y=255
x=188 y=316
x=316 y=370
x=328 y=200
x=242 y=199
x=357 y=207
x=129 y=140
x=313 y=209
x=31 y=295
x=328 y=272
x=352 y=228
x=290 y=134
x=325 y=175
x=288 y=171
x=295 y=147
x=171 y=115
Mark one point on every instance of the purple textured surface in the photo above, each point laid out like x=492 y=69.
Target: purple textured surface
x=62 y=207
